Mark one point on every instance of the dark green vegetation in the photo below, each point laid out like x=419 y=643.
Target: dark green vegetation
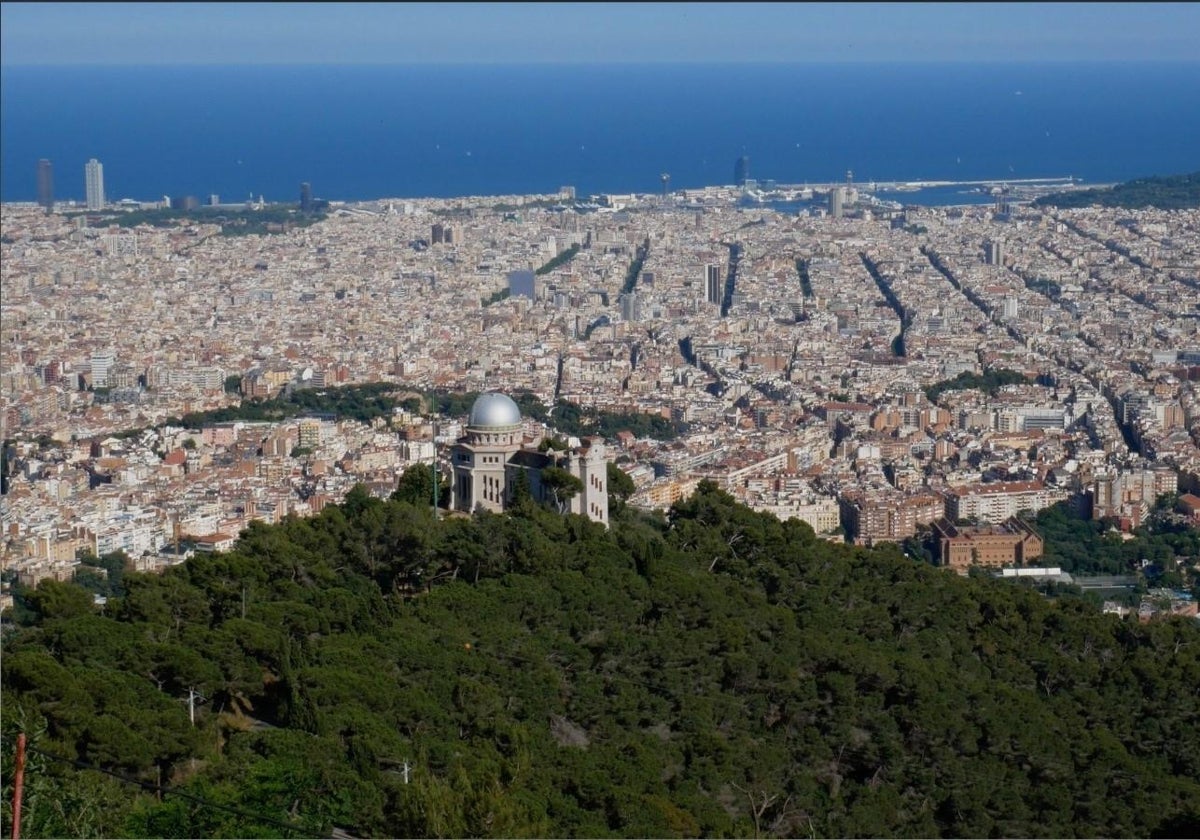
x=368 y=401
x=1086 y=546
x=989 y=382
x=575 y=420
x=358 y=402
x=103 y=575
x=273 y=218
x=714 y=673
x=416 y=487
x=1166 y=192
x=562 y=259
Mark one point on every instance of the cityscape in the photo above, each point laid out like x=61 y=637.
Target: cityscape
x=796 y=356
x=599 y=420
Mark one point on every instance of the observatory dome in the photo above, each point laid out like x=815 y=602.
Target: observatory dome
x=494 y=411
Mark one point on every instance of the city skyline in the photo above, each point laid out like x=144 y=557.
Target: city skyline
x=596 y=419
x=418 y=33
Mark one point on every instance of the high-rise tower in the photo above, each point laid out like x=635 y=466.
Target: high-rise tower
x=93 y=174
x=741 y=171
x=837 y=199
x=713 y=284
x=45 y=183
x=305 y=197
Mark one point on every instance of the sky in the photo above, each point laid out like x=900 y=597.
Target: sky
x=555 y=33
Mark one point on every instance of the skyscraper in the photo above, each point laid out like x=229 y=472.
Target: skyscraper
x=305 y=197
x=45 y=183
x=741 y=171
x=837 y=198
x=713 y=285
x=630 y=311
x=93 y=173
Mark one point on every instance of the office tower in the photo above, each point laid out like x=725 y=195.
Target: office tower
x=306 y=202
x=630 y=311
x=994 y=252
x=837 y=197
x=712 y=284
x=741 y=171
x=214 y=200
x=102 y=363
x=45 y=184
x=666 y=183
x=440 y=234
x=93 y=174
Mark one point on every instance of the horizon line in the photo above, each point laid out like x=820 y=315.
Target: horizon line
x=617 y=63
x=921 y=184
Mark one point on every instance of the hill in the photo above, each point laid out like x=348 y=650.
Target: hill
x=1167 y=192
x=715 y=672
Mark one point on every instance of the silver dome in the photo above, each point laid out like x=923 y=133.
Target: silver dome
x=494 y=411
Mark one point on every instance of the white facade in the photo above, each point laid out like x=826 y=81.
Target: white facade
x=102 y=363
x=489 y=460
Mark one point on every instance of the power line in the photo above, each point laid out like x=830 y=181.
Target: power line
x=170 y=791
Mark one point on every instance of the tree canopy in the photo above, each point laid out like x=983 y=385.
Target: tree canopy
x=713 y=672
x=990 y=381
x=1166 y=192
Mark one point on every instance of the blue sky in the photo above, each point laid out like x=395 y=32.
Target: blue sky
x=371 y=33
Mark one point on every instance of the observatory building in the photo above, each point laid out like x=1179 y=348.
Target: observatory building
x=490 y=459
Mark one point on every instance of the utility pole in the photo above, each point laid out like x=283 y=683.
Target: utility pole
x=193 y=695
x=19 y=786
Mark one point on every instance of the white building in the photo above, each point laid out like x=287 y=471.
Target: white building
x=102 y=363
x=997 y=502
x=491 y=458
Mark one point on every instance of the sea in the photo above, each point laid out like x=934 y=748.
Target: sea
x=359 y=133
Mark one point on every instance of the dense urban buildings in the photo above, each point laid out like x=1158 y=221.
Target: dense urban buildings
x=884 y=373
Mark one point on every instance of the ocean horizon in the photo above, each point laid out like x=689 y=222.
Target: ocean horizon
x=364 y=132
